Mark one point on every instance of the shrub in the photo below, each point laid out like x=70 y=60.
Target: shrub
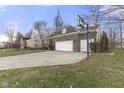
x=101 y=46
x=95 y=47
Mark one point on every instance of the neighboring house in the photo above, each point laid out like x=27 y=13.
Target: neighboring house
x=34 y=43
x=24 y=42
x=6 y=44
x=3 y=41
x=73 y=41
x=2 y=45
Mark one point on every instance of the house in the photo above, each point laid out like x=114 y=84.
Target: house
x=3 y=41
x=23 y=42
x=2 y=45
x=34 y=42
x=75 y=41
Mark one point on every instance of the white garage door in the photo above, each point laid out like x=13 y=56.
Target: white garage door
x=83 y=45
x=64 y=45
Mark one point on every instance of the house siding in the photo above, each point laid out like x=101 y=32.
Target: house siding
x=76 y=43
x=33 y=43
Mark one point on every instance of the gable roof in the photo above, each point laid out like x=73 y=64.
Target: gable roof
x=68 y=34
x=77 y=30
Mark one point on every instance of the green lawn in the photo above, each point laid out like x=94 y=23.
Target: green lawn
x=12 y=52
x=101 y=71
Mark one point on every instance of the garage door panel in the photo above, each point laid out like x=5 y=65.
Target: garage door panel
x=64 y=45
x=83 y=45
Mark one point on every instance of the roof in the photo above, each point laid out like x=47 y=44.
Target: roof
x=59 y=32
x=91 y=29
x=26 y=38
x=72 y=33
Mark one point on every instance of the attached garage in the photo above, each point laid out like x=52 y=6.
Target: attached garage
x=64 y=45
x=75 y=41
x=72 y=41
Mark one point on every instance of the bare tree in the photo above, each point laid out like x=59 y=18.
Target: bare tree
x=58 y=21
x=112 y=36
x=106 y=17
x=29 y=34
x=99 y=14
x=121 y=36
x=95 y=14
x=10 y=32
x=116 y=14
x=48 y=32
x=18 y=40
x=40 y=27
x=120 y=6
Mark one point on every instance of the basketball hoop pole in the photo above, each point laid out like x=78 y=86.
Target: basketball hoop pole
x=87 y=41
x=82 y=26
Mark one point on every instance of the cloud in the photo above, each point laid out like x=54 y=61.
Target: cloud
x=3 y=8
x=3 y=38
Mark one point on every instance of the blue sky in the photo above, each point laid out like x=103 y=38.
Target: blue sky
x=25 y=16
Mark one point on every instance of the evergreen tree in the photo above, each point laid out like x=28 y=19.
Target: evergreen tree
x=58 y=21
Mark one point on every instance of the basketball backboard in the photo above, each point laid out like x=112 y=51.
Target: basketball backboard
x=80 y=21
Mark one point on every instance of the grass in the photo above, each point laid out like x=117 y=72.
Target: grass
x=12 y=52
x=100 y=71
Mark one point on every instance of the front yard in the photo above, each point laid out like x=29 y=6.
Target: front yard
x=101 y=71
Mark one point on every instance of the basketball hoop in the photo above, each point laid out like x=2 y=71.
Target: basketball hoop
x=81 y=24
x=80 y=21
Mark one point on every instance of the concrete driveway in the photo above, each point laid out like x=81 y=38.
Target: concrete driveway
x=40 y=59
